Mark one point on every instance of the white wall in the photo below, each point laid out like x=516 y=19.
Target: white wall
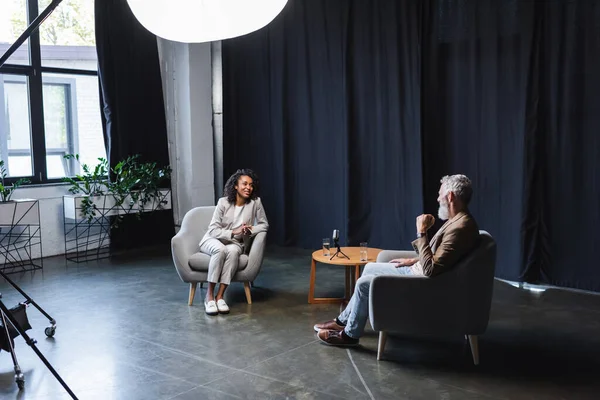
x=187 y=85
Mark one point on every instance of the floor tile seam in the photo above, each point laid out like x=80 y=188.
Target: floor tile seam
x=204 y=387
x=279 y=355
x=246 y=371
x=171 y=397
x=477 y=392
x=154 y=371
x=362 y=380
x=197 y=358
x=276 y=380
x=183 y=353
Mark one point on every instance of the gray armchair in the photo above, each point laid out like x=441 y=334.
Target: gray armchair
x=192 y=266
x=455 y=302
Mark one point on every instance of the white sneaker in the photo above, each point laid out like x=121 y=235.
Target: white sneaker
x=222 y=306
x=211 y=307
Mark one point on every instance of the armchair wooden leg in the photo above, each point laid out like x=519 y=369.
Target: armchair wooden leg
x=474 y=343
x=381 y=345
x=192 y=293
x=247 y=290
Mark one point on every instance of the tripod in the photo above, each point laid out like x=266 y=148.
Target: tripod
x=339 y=251
x=18 y=325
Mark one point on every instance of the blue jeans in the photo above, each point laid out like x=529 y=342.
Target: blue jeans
x=356 y=313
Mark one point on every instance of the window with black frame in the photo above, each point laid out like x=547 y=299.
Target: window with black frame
x=49 y=95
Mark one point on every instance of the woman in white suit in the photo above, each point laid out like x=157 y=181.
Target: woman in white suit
x=239 y=216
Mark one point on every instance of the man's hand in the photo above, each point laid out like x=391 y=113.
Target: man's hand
x=424 y=222
x=404 y=262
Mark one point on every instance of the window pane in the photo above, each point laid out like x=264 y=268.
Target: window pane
x=13 y=22
x=68 y=36
x=72 y=122
x=15 y=129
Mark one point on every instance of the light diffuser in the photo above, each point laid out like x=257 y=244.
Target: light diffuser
x=196 y=21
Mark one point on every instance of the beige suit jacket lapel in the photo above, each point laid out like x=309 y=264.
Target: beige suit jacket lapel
x=248 y=213
x=436 y=238
x=228 y=214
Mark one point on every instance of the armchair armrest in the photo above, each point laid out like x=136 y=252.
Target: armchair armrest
x=256 y=255
x=415 y=304
x=388 y=255
x=183 y=245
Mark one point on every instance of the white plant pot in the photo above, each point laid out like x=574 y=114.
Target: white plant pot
x=20 y=212
x=73 y=207
x=155 y=204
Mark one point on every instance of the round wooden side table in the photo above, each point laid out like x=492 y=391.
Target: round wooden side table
x=351 y=264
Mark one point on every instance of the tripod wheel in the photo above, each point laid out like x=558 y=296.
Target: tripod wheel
x=49 y=331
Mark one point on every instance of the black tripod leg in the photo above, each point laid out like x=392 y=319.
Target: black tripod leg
x=19 y=378
x=337 y=254
x=6 y=313
x=30 y=301
x=342 y=253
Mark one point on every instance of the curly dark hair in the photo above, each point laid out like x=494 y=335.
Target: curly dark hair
x=230 y=191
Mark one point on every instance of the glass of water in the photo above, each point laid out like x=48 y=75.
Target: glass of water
x=326 y=246
x=363 y=251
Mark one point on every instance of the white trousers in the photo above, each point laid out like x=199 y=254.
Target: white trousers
x=224 y=260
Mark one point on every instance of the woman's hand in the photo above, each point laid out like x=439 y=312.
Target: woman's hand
x=238 y=231
x=242 y=230
x=403 y=262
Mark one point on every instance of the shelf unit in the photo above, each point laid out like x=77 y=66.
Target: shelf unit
x=20 y=236
x=89 y=239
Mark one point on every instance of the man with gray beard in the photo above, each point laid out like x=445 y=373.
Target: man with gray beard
x=457 y=237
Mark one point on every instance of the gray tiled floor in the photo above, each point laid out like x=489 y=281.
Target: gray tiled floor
x=125 y=332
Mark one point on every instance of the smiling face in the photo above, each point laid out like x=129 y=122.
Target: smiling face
x=244 y=187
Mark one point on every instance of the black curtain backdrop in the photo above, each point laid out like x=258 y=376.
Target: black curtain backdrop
x=133 y=110
x=352 y=111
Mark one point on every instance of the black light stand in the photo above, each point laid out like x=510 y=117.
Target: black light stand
x=10 y=317
x=339 y=252
x=30 y=29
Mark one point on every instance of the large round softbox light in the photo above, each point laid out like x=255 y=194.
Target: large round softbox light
x=196 y=21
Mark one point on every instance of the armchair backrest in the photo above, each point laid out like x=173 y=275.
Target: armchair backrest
x=195 y=222
x=474 y=280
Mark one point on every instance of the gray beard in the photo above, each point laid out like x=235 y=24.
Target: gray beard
x=443 y=212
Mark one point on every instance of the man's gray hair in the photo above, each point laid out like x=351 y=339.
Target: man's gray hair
x=460 y=185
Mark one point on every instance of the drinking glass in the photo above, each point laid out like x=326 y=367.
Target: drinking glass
x=363 y=251
x=326 y=245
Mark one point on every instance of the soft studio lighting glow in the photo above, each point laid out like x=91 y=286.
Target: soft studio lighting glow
x=196 y=21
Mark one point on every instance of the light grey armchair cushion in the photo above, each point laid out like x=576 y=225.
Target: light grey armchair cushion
x=192 y=265
x=455 y=302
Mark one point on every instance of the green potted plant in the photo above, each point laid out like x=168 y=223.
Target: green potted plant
x=144 y=182
x=88 y=190
x=6 y=191
x=134 y=187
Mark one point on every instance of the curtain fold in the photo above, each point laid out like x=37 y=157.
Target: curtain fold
x=133 y=112
x=352 y=111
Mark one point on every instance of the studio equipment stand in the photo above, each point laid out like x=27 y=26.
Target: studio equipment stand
x=14 y=322
x=339 y=252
